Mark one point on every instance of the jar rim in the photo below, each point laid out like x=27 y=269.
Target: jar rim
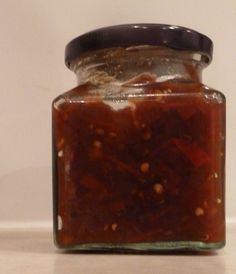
x=170 y=36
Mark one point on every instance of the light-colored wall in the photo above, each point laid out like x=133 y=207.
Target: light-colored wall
x=33 y=34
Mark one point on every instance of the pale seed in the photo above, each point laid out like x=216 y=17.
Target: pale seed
x=158 y=188
x=199 y=211
x=114 y=227
x=59 y=222
x=144 y=167
x=60 y=153
x=97 y=144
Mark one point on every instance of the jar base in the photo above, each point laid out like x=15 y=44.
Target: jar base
x=145 y=247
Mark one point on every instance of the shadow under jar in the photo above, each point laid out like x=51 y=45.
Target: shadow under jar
x=139 y=143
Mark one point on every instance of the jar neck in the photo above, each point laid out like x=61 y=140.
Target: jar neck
x=138 y=66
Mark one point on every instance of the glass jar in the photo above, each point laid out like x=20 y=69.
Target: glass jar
x=139 y=143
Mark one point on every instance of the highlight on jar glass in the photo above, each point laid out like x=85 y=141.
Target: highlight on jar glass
x=139 y=143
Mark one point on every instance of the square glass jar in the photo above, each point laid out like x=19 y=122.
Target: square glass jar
x=139 y=143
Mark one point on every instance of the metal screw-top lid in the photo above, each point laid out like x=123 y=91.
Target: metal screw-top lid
x=174 y=37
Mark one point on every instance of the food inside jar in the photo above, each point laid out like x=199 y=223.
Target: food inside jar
x=148 y=172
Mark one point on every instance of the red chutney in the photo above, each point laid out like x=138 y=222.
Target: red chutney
x=140 y=171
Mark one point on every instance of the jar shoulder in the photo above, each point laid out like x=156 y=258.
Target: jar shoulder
x=213 y=95
x=80 y=90
x=165 y=90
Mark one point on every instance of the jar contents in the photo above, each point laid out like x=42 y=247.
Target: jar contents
x=140 y=168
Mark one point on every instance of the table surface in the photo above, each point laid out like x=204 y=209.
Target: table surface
x=31 y=251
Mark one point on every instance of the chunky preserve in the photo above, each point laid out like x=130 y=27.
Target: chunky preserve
x=139 y=147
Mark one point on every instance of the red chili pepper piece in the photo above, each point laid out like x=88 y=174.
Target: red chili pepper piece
x=192 y=152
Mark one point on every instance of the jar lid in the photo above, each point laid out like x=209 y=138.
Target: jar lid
x=175 y=37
